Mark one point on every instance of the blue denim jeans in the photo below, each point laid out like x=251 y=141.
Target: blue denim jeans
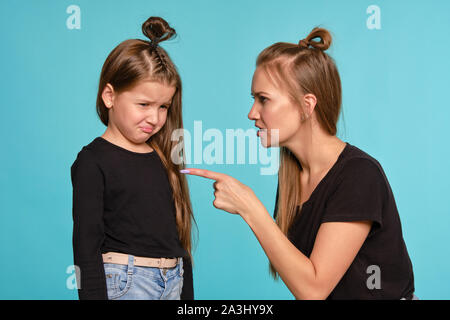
x=130 y=282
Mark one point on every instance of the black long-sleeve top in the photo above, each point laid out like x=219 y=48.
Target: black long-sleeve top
x=122 y=202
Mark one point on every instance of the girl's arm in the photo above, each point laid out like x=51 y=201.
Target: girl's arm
x=88 y=229
x=187 y=292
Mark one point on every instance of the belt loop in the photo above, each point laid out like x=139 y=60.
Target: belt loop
x=130 y=264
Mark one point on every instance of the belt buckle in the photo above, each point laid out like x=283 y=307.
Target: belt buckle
x=163 y=266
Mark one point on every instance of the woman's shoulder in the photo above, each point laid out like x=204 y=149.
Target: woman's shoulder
x=358 y=164
x=358 y=177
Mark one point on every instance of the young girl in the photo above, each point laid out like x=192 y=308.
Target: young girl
x=337 y=232
x=131 y=209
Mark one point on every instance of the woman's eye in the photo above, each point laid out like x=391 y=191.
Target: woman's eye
x=260 y=98
x=163 y=106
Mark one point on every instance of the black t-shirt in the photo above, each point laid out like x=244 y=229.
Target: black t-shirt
x=356 y=189
x=122 y=202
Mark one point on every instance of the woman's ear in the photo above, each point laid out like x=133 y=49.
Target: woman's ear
x=310 y=102
x=108 y=95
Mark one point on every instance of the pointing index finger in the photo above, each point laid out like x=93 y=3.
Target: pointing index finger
x=204 y=173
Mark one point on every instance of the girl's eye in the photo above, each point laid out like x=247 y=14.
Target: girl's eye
x=146 y=104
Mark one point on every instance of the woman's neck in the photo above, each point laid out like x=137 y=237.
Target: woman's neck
x=317 y=153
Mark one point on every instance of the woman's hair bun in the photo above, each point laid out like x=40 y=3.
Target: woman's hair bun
x=323 y=44
x=157 y=29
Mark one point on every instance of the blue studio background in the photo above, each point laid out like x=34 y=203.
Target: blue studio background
x=395 y=80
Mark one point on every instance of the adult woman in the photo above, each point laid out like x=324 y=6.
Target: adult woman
x=337 y=233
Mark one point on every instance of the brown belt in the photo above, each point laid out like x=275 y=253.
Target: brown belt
x=122 y=258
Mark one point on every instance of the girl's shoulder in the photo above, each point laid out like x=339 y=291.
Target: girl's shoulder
x=88 y=153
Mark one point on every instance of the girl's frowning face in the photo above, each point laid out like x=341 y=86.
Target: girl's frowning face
x=140 y=112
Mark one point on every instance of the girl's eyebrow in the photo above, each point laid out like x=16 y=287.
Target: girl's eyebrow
x=150 y=101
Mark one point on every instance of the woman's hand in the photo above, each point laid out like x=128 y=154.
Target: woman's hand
x=230 y=194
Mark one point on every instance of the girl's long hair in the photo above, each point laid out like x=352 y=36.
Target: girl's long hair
x=301 y=69
x=135 y=60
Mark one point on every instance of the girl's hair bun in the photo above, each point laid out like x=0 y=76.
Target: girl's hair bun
x=324 y=42
x=157 y=30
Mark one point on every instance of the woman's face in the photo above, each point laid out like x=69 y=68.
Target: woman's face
x=273 y=110
x=141 y=111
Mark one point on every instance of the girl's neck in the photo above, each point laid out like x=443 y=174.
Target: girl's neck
x=116 y=137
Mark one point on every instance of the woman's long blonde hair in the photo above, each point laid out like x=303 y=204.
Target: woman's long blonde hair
x=135 y=60
x=301 y=69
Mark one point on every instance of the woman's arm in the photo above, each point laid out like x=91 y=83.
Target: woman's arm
x=335 y=248
x=336 y=244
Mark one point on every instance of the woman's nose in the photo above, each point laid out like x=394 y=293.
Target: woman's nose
x=253 y=114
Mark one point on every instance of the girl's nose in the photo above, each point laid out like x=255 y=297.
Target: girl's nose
x=152 y=116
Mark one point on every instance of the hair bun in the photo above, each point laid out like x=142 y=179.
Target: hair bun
x=157 y=30
x=323 y=44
